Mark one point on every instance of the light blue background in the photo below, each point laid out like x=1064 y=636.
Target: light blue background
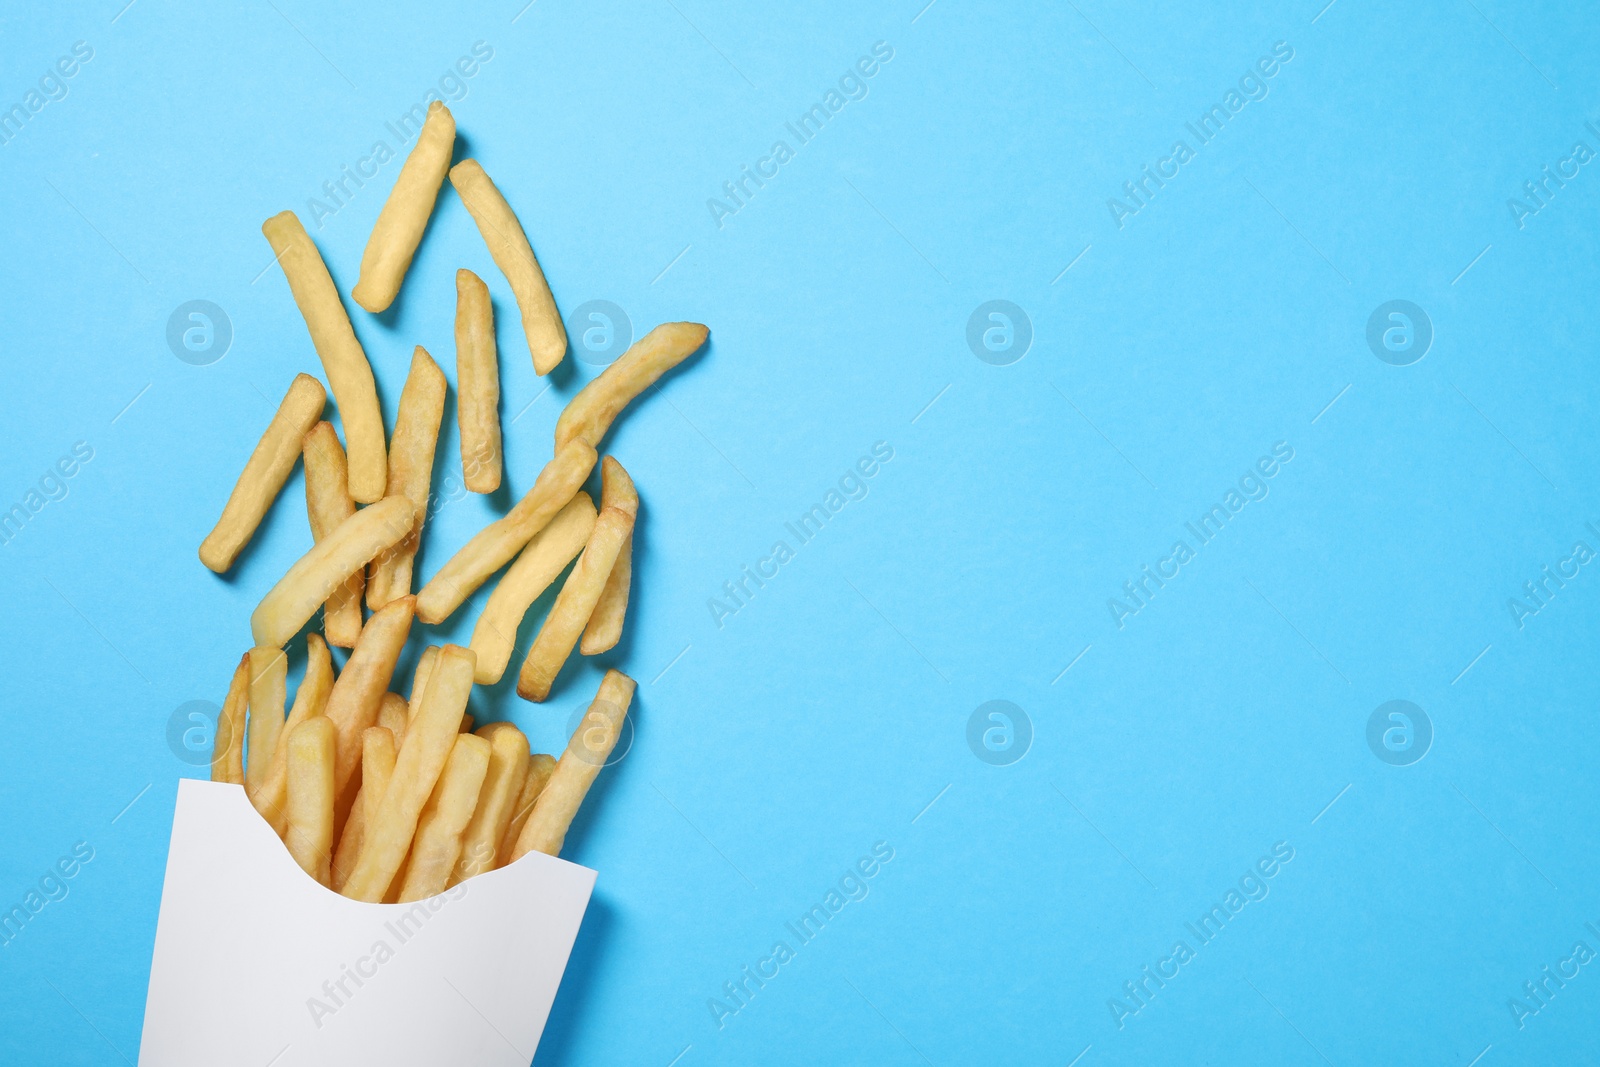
x=830 y=711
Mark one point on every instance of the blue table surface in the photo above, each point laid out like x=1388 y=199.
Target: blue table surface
x=1197 y=830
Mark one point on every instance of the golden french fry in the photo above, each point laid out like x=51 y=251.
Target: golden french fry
x=494 y=545
x=429 y=739
x=508 y=245
x=328 y=503
x=343 y=359
x=393 y=714
x=551 y=549
x=227 y=753
x=508 y=770
x=264 y=474
x=416 y=434
x=419 y=679
x=310 y=800
x=466 y=724
x=540 y=766
x=605 y=625
x=590 y=414
x=332 y=560
x=309 y=700
x=477 y=384
x=437 y=845
x=586 y=753
x=358 y=694
x=398 y=231
x=575 y=604
x=269 y=683
x=378 y=747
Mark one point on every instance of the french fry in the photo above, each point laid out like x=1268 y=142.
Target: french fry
x=416 y=434
x=358 y=694
x=343 y=359
x=540 y=766
x=494 y=545
x=328 y=503
x=264 y=474
x=314 y=577
x=227 y=753
x=508 y=245
x=508 y=770
x=552 y=548
x=310 y=801
x=466 y=724
x=309 y=701
x=429 y=739
x=477 y=384
x=587 y=752
x=393 y=714
x=378 y=747
x=419 y=679
x=269 y=683
x=590 y=414
x=400 y=224
x=575 y=604
x=437 y=845
x=605 y=625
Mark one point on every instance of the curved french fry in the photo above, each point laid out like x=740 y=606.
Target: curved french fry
x=404 y=217
x=590 y=414
x=315 y=575
x=264 y=474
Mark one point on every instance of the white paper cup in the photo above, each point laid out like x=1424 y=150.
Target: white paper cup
x=255 y=963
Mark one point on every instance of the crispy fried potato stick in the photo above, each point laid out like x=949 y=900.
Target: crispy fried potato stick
x=227 y=751
x=264 y=474
x=310 y=802
x=508 y=770
x=429 y=739
x=590 y=414
x=575 y=604
x=605 y=625
x=477 y=384
x=437 y=846
x=398 y=231
x=508 y=245
x=378 y=749
x=494 y=545
x=393 y=715
x=328 y=503
x=416 y=434
x=309 y=700
x=587 y=752
x=540 y=767
x=357 y=695
x=343 y=359
x=269 y=683
x=331 y=561
x=551 y=549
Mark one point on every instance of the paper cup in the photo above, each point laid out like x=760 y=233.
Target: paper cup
x=255 y=963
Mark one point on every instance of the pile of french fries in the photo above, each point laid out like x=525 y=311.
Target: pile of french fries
x=391 y=798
